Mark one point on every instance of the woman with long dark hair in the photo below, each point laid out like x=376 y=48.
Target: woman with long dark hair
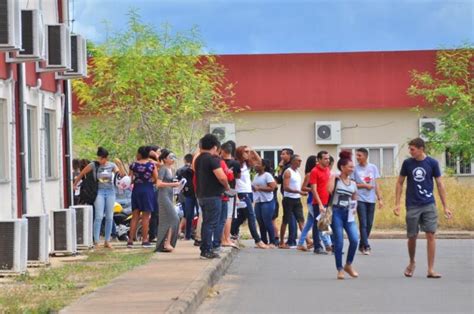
x=310 y=164
x=143 y=174
x=345 y=191
x=243 y=186
x=168 y=219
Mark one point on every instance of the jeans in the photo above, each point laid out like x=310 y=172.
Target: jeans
x=264 y=212
x=216 y=242
x=190 y=210
x=340 y=223
x=153 y=225
x=366 y=212
x=308 y=225
x=292 y=231
x=316 y=239
x=104 y=204
x=238 y=221
x=252 y=220
x=211 y=208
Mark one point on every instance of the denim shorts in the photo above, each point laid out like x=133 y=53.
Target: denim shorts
x=425 y=216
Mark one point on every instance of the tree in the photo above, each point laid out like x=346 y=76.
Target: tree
x=450 y=93
x=150 y=87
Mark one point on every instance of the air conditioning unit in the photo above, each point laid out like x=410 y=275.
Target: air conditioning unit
x=328 y=132
x=38 y=239
x=224 y=131
x=84 y=226
x=58 y=49
x=429 y=125
x=31 y=37
x=63 y=231
x=13 y=246
x=10 y=25
x=78 y=59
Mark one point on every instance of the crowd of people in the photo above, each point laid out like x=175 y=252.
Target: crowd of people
x=222 y=186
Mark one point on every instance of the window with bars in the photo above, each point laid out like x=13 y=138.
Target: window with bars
x=382 y=156
x=3 y=140
x=32 y=132
x=459 y=163
x=272 y=154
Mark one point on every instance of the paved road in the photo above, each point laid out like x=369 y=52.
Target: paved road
x=289 y=281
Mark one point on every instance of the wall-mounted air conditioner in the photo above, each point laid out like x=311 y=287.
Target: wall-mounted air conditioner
x=328 y=132
x=10 y=25
x=429 y=125
x=13 y=246
x=58 y=49
x=32 y=48
x=84 y=226
x=224 y=131
x=78 y=59
x=63 y=231
x=38 y=239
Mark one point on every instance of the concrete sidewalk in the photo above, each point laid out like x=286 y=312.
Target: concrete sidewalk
x=170 y=283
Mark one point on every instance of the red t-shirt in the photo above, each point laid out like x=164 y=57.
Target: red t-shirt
x=320 y=176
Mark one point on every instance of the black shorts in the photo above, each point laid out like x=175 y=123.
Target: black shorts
x=292 y=206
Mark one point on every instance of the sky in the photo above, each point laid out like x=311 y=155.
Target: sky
x=293 y=26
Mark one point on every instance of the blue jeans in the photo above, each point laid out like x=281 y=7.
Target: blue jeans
x=304 y=233
x=190 y=210
x=211 y=209
x=252 y=219
x=340 y=223
x=316 y=239
x=104 y=204
x=264 y=212
x=366 y=212
x=216 y=242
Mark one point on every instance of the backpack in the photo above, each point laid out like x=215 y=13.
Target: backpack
x=89 y=187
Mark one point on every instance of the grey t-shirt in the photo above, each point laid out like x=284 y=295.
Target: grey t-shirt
x=262 y=180
x=105 y=175
x=366 y=175
x=343 y=193
x=164 y=174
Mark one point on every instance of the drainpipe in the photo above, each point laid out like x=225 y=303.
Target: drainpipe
x=13 y=174
x=59 y=137
x=23 y=140
x=68 y=139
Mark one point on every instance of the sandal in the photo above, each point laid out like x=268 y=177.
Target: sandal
x=434 y=276
x=409 y=271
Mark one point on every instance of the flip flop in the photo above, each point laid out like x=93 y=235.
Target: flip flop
x=232 y=246
x=409 y=271
x=434 y=276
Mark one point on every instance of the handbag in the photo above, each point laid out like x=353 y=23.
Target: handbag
x=324 y=223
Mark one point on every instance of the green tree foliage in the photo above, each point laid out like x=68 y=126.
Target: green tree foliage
x=149 y=87
x=450 y=93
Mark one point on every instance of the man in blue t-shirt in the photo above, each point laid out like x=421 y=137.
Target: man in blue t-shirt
x=420 y=203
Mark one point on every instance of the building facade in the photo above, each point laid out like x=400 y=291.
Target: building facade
x=35 y=106
x=332 y=102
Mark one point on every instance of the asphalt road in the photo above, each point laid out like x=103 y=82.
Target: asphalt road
x=290 y=281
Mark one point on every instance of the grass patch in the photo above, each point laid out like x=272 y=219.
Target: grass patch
x=54 y=288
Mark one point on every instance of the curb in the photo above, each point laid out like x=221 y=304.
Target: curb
x=439 y=235
x=197 y=291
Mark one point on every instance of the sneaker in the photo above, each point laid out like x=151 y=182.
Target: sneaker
x=197 y=243
x=153 y=240
x=209 y=255
x=366 y=252
x=320 y=252
x=293 y=246
x=146 y=244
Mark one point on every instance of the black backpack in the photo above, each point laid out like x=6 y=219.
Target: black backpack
x=89 y=187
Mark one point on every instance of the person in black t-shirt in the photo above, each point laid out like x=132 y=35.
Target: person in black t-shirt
x=187 y=196
x=211 y=182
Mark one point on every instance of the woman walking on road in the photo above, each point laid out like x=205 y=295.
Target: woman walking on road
x=143 y=174
x=344 y=191
x=168 y=220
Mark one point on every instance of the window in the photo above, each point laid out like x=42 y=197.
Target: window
x=32 y=130
x=383 y=156
x=3 y=140
x=272 y=154
x=49 y=136
x=458 y=163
